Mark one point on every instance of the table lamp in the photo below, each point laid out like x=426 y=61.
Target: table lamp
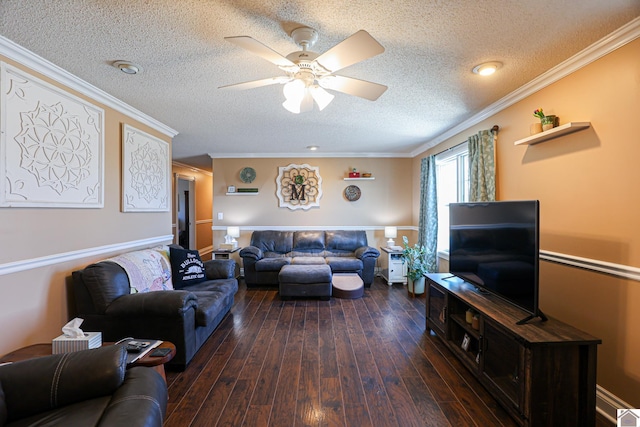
x=390 y=233
x=230 y=241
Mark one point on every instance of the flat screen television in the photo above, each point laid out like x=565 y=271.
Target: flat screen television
x=495 y=246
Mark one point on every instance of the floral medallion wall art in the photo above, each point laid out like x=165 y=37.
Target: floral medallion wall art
x=299 y=186
x=51 y=145
x=145 y=172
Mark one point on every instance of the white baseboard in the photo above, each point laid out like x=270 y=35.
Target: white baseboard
x=607 y=404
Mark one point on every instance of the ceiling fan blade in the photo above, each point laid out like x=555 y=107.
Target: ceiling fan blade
x=356 y=48
x=351 y=86
x=257 y=83
x=257 y=48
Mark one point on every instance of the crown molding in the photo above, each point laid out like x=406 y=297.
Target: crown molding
x=620 y=37
x=15 y=52
x=306 y=154
x=192 y=168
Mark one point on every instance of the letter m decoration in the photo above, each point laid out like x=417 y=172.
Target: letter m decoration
x=299 y=186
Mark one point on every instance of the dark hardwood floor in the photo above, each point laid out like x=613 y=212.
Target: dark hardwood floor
x=362 y=362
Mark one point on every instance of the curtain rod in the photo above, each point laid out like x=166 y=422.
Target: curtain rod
x=494 y=129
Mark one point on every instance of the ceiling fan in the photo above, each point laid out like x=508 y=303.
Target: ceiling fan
x=308 y=73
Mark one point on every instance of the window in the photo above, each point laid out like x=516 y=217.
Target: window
x=452 y=176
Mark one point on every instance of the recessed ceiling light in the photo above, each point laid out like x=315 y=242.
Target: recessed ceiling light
x=487 y=68
x=128 y=67
x=312 y=147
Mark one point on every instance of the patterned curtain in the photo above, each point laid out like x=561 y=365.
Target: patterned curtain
x=428 y=221
x=482 y=167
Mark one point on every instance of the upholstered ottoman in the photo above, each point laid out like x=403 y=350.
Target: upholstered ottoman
x=305 y=281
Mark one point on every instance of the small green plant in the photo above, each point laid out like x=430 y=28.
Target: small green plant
x=415 y=257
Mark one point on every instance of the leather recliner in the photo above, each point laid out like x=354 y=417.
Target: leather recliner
x=83 y=388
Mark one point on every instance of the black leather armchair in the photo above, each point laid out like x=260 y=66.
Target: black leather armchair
x=83 y=388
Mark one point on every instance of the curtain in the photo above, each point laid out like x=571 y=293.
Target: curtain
x=482 y=168
x=428 y=221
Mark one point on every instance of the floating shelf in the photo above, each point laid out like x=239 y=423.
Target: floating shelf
x=565 y=129
x=371 y=178
x=239 y=193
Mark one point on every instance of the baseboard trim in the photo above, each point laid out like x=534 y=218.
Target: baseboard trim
x=33 y=263
x=607 y=404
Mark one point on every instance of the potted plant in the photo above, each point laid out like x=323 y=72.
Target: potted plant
x=415 y=258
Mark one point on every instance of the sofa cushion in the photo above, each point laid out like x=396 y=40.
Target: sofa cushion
x=343 y=263
x=345 y=240
x=308 y=260
x=212 y=298
x=272 y=264
x=187 y=267
x=271 y=242
x=105 y=281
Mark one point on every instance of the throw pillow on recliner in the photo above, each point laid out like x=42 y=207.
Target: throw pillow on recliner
x=186 y=267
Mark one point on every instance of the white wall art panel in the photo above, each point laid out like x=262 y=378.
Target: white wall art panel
x=145 y=172
x=299 y=186
x=51 y=145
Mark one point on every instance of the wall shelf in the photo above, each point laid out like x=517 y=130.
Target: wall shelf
x=556 y=132
x=239 y=193
x=371 y=178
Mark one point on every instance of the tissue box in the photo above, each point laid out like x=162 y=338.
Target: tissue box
x=63 y=344
x=228 y=246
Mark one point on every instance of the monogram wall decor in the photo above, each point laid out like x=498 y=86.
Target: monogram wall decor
x=146 y=177
x=51 y=145
x=299 y=186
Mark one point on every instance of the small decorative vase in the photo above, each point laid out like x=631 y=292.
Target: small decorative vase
x=535 y=128
x=548 y=122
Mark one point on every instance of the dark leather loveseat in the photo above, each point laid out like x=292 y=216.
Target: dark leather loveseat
x=84 y=388
x=185 y=316
x=345 y=251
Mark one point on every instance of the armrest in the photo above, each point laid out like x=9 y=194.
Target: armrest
x=46 y=383
x=140 y=401
x=251 y=252
x=220 y=269
x=157 y=303
x=367 y=252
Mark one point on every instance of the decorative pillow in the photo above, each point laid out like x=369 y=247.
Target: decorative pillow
x=187 y=267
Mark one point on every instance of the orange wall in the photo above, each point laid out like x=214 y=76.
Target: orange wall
x=204 y=201
x=589 y=205
x=384 y=201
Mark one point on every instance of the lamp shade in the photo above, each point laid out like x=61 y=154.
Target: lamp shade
x=233 y=231
x=391 y=232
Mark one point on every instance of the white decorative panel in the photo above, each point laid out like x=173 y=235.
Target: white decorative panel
x=145 y=172
x=51 y=145
x=299 y=186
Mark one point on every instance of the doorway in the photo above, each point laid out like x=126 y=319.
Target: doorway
x=186 y=211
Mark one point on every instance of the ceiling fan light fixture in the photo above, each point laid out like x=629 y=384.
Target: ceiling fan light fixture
x=487 y=68
x=321 y=96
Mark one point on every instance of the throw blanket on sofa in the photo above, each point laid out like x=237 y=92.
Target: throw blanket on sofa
x=148 y=270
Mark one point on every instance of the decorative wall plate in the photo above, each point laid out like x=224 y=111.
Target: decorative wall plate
x=352 y=193
x=247 y=175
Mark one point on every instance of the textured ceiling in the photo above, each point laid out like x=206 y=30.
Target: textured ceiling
x=431 y=47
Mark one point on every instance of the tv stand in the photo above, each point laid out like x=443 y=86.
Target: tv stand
x=542 y=373
x=541 y=315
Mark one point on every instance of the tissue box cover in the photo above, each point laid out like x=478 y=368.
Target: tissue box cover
x=229 y=246
x=64 y=344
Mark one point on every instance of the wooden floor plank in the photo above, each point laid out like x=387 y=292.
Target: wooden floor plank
x=362 y=362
